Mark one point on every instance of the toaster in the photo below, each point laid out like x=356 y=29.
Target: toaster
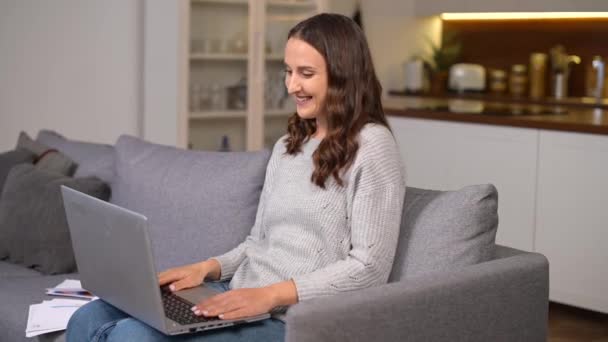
x=466 y=77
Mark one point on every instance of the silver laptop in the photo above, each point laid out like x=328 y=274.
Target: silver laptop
x=114 y=259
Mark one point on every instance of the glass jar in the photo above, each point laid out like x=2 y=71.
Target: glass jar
x=518 y=80
x=538 y=71
x=498 y=81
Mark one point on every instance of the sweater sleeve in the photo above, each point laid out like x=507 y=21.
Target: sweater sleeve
x=376 y=191
x=230 y=261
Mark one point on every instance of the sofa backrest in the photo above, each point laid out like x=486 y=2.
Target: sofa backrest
x=199 y=204
x=194 y=215
x=445 y=230
x=92 y=159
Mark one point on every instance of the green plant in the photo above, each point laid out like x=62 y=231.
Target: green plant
x=445 y=54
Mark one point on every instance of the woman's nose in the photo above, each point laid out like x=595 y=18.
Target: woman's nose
x=293 y=85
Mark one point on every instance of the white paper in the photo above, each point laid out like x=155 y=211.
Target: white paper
x=51 y=315
x=69 y=284
x=70 y=288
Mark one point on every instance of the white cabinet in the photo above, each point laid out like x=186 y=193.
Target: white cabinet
x=236 y=92
x=572 y=216
x=446 y=156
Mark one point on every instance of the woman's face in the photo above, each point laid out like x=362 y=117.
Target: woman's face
x=306 y=78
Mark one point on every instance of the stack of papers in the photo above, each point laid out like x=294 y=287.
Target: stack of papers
x=53 y=315
x=70 y=288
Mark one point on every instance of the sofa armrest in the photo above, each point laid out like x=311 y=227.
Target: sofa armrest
x=500 y=300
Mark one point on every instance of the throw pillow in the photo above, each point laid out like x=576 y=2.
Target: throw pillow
x=198 y=204
x=93 y=159
x=445 y=230
x=12 y=158
x=33 y=226
x=47 y=158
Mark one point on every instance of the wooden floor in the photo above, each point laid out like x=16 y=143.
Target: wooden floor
x=569 y=324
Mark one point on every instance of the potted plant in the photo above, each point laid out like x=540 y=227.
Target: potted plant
x=442 y=57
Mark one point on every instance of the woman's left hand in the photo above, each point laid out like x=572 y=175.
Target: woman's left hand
x=238 y=303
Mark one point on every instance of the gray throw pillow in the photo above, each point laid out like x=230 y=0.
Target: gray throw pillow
x=47 y=158
x=198 y=204
x=33 y=226
x=445 y=230
x=12 y=158
x=93 y=159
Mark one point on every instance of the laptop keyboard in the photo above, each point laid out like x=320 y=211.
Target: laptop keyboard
x=178 y=309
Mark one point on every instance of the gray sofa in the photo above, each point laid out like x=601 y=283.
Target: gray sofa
x=450 y=282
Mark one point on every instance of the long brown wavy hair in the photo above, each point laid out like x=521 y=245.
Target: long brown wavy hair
x=353 y=96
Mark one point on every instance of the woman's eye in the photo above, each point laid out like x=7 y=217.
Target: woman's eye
x=307 y=75
x=287 y=72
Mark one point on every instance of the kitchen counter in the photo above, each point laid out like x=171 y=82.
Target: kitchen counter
x=550 y=117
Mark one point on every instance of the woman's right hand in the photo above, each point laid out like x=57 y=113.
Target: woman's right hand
x=185 y=277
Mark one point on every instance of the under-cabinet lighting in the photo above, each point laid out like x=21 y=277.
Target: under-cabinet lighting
x=522 y=15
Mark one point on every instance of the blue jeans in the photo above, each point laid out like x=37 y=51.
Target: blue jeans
x=100 y=321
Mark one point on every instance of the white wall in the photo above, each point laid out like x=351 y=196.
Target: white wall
x=394 y=34
x=166 y=26
x=74 y=66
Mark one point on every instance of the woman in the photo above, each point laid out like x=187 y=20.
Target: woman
x=329 y=214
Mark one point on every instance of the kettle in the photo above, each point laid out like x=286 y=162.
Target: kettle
x=416 y=76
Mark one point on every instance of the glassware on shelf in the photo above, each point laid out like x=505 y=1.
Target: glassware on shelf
x=217 y=101
x=518 y=80
x=205 y=98
x=237 y=95
x=225 y=144
x=194 y=97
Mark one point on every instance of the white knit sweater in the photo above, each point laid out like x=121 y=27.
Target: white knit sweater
x=327 y=241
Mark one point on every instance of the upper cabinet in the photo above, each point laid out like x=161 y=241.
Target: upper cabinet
x=236 y=95
x=435 y=7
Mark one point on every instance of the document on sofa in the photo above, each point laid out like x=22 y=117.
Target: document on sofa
x=51 y=315
x=70 y=288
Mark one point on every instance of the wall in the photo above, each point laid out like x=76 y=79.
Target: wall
x=166 y=25
x=395 y=34
x=70 y=65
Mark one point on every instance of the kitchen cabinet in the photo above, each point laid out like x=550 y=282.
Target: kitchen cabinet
x=572 y=217
x=236 y=94
x=447 y=156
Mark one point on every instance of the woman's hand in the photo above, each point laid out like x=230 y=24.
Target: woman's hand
x=236 y=304
x=241 y=303
x=188 y=276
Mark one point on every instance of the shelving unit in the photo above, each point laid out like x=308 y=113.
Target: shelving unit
x=238 y=42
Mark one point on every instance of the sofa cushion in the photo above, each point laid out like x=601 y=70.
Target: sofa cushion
x=16 y=296
x=8 y=270
x=33 y=226
x=199 y=204
x=12 y=158
x=444 y=230
x=93 y=159
x=47 y=158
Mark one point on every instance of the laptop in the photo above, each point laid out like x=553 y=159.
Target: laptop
x=115 y=262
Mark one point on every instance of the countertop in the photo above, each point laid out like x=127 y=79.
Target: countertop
x=549 y=116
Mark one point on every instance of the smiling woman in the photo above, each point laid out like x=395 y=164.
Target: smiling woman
x=329 y=213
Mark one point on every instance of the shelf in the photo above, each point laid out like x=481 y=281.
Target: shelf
x=275 y=57
x=222 y=2
x=570 y=101
x=214 y=115
x=218 y=57
x=236 y=114
x=291 y=4
x=278 y=112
